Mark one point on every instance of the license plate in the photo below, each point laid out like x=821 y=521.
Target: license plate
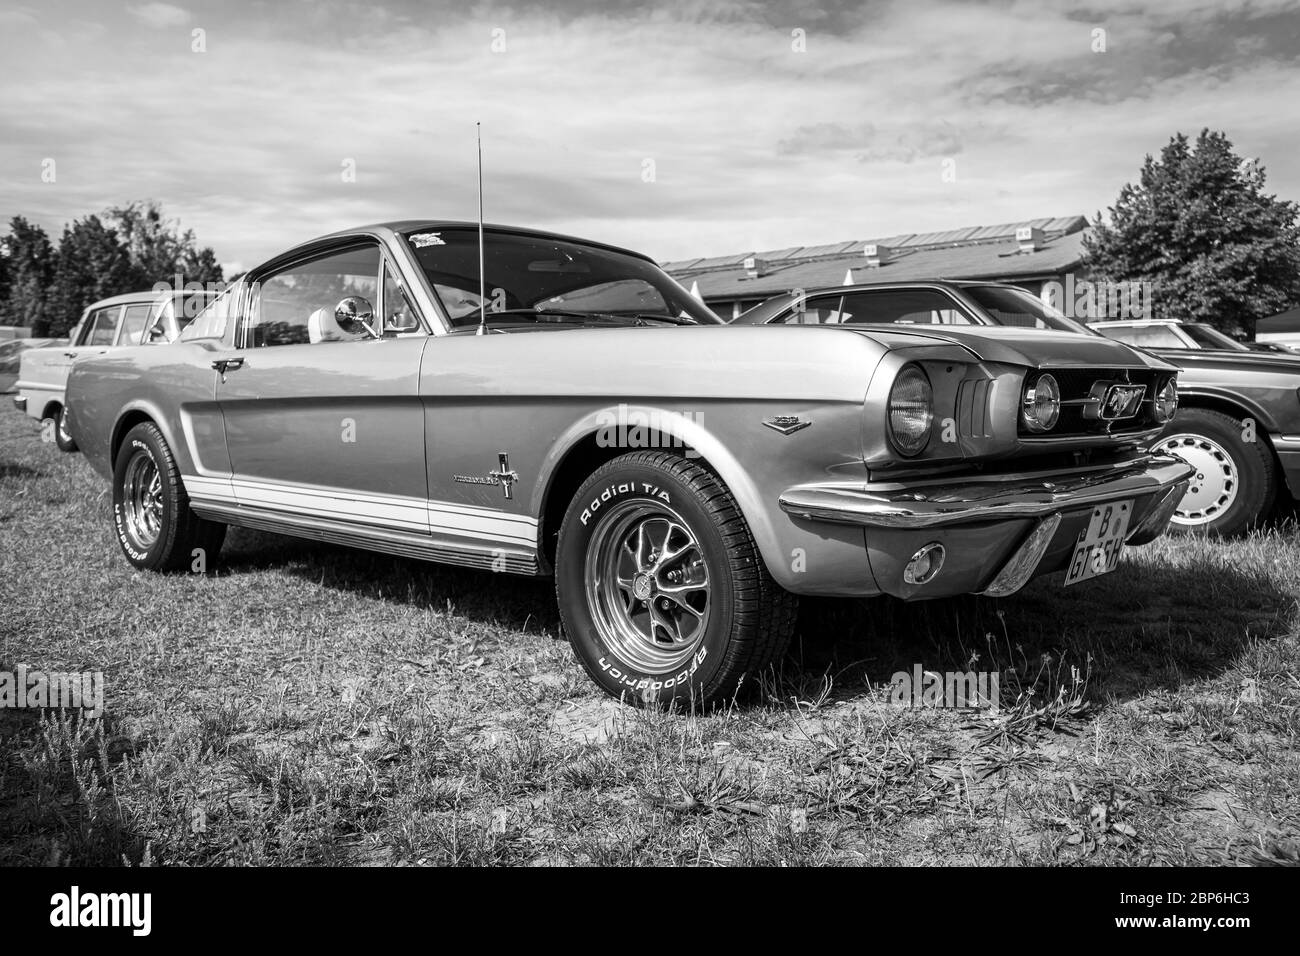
x=1098 y=548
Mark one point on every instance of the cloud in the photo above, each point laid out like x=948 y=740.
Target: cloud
x=159 y=15
x=868 y=144
x=753 y=144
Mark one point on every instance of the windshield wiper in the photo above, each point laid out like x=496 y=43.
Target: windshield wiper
x=671 y=319
x=552 y=315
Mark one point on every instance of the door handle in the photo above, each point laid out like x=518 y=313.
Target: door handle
x=228 y=365
x=69 y=354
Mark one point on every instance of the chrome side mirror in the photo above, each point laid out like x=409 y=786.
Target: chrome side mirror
x=355 y=315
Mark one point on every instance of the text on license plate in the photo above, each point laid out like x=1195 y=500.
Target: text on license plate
x=1098 y=548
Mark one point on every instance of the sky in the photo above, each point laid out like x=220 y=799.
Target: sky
x=680 y=130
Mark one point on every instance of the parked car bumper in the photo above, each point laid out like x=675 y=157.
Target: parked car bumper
x=20 y=402
x=997 y=532
x=1288 y=456
x=37 y=397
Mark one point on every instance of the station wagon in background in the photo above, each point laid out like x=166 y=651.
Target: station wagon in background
x=1238 y=420
x=682 y=479
x=11 y=351
x=134 y=318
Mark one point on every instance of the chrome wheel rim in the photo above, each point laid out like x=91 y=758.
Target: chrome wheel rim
x=648 y=587
x=1214 y=484
x=142 y=500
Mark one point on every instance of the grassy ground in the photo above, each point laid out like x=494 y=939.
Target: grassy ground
x=309 y=704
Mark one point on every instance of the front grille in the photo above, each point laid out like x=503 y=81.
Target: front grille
x=973 y=408
x=1076 y=387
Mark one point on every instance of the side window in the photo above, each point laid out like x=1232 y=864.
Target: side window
x=211 y=322
x=133 y=320
x=903 y=307
x=819 y=310
x=297 y=305
x=177 y=315
x=399 y=314
x=102 y=327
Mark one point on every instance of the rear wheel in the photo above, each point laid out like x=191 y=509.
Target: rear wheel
x=54 y=427
x=151 y=511
x=63 y=437
x=661 y=588
x=1235 y=482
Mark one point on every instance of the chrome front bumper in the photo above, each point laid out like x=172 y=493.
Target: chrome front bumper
x=20 y=402
x=891 y=505
x=999 y=532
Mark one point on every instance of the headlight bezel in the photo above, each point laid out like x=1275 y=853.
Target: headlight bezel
x=1160 y=402
x=911 y=374
x=1043 y=385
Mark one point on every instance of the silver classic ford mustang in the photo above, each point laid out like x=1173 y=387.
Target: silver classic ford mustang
x=567 y=409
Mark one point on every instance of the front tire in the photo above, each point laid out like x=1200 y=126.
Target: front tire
x=661 y=588
x=1235 y=482
x=151 y=511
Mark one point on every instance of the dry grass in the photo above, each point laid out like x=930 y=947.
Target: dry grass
x=308 y=704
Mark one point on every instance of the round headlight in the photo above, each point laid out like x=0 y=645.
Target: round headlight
x=911 y=410
x=1041 y=406
x=1166 y=403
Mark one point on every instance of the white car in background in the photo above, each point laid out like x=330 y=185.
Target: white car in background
x=10 y=352
x=135 y=318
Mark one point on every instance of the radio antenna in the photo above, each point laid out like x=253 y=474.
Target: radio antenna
x=482 y=282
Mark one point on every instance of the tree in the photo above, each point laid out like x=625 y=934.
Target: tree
x=30 y=267
x=92 y=264
x=4 y=277
x=157 y=248
x=1199 y=227
x=199 y=265
x=125 y=249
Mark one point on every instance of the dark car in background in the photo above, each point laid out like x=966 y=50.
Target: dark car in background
x=1167 y=334
x=1238 y=420
x=1276 y=347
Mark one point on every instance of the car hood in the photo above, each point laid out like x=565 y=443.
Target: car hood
x=1011 y=345
x=1225 y=359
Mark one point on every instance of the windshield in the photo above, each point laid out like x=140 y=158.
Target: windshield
x=1210 y=338
x=537 y=275
x=1017 y=307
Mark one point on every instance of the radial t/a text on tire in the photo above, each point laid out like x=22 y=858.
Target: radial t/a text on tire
x=155 y=527
x=661 y=587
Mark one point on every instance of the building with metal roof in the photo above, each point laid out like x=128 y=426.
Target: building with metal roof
x=1027 y=254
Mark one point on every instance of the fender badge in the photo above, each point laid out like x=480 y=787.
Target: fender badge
x=786 y=424
x=503 y=476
